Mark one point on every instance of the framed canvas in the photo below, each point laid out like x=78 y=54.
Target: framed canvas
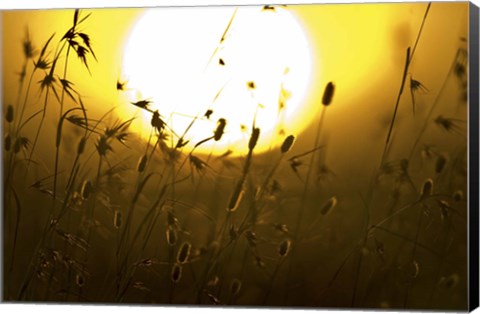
x=320 y=156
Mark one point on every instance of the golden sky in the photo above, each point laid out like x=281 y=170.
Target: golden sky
x=360 y=47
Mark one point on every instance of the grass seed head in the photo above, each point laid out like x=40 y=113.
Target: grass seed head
x=427 y=189
x=452 y=281
x=121 y=86
x=458 y=196
x=221 y=123
x=287 y=144
x=117 y=219
x=176 y=274
x=251 y=238
x=440 y=163
x=416 y=269
x=171 y=236
x=9 y=114
x=329 y=205
x=444 y=209
x=283 y=228
x=103 y=145
x=208 y=113
x=21 y=143
x=28 y=49
x=253 y=138
x=86 y=190
x=142 y=162
x=213 y=282
x=284 y=247
x=328 y=94
x=8 y=142
x=172 y=221
x=259 y=262
x=81 y=146
x=236 y=197
x=181 y=143
x=184 y=253
x=197 y=163
x=235 y=286
x=80 y=280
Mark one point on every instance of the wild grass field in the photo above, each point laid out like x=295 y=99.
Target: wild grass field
x=366 y=208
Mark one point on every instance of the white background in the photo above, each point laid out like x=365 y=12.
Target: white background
x=62 y=309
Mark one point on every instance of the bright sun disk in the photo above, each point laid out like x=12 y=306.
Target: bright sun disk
x=175 y=58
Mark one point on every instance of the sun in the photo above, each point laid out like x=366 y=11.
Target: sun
x=246 y=65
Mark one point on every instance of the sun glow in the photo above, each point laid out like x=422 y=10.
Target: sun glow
x=246 y=65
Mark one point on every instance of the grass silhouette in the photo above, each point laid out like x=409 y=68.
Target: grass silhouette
x=120 y=219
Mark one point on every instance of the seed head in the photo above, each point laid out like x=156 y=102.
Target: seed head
x=142 y=162
x=103 y=146
x=440 y=163
x=416 y=269
x=172 y=221
x=8 y=142
x=444 y=209
x=184 y=253
x=236 y=197
x=221 y=123
x=208 y=113
x=28 y=49
x=251 y=237
x=176 y=273
x=427 y=189
x=197 y=163
x=287 y=144
x=20 y=143
x=80 y=280
x=87 y=188
x=117 y=219
x=458 y=196
x=251 y=85
x=284 y=247
x=235 y=286
x=81 y=146
x=452 y=281
x=281 y=227
x=213 y=282
x=329 y=205
x=171 y=236
x=328 y=94
x=253 y=138
x=9 y=114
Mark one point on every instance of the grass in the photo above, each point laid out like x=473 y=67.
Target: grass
x=124 y=220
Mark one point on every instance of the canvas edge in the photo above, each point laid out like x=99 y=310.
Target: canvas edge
x=2 y=297
x=473 y=262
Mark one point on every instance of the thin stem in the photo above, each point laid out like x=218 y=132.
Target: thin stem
x=305 y=192
x=27 y=93
x=39 y=128
x=57 y=147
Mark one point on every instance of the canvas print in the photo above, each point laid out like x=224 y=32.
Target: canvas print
x=271 y=155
